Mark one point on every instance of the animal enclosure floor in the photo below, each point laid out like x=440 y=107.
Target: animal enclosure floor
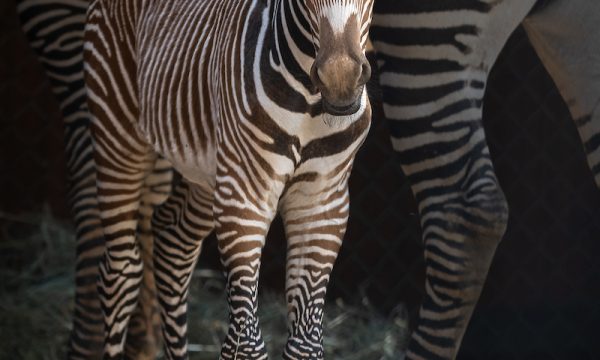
x=36 y=302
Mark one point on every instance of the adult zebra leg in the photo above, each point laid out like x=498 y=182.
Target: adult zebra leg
x=434 y=66
x=314 y=235
x=144 y=332
x=566 y=36
x=63 y=63
x=86 y=339
x=180 y=226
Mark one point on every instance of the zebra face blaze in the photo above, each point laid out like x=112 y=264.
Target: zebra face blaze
x=340 y=31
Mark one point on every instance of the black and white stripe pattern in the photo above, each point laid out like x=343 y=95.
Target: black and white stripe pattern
x=405 y=80
x=434 y=59
x=55 y=31
x=229 y=96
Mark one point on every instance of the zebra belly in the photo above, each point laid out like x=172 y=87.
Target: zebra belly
x=196 y=167
x=176 y=85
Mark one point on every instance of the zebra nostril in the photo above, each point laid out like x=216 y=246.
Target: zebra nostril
x=365 y=73
x=314 y=77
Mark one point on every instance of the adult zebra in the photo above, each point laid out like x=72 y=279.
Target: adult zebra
x=434 y=58
x=261 y=106
x=426 y=23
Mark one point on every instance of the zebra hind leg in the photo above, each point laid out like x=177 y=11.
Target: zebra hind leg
x=123 y=161
x=433 y=88
x=179 y=226
x=66 y=19
x=144 y=336
x=121 y=266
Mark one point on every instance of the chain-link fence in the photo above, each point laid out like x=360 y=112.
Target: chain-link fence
x=542 y=297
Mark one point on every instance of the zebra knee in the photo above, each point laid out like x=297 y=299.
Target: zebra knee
x=118 y=288
x=486 y=221
x=461 y=236
x=119 y=266
x=488 y=214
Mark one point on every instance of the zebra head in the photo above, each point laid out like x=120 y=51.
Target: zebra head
x=340 y=31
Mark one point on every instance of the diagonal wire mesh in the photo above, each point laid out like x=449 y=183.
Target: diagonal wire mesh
x=541 y=299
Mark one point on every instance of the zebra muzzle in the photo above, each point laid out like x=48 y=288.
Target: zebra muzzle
x=342 y=110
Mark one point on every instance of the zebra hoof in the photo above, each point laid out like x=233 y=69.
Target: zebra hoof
x=300 y=349
x=244 y=341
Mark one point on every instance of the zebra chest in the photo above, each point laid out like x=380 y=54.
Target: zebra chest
x=323 y=164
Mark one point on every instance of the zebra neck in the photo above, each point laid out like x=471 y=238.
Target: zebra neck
x=291 y=45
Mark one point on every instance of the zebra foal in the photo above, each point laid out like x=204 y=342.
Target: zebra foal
x=261 y=106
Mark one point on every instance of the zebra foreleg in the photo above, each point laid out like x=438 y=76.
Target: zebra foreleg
x=180 y=226
x=314 y=234
x=242 y=219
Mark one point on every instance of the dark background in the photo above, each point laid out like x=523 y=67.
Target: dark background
x=542 y=296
